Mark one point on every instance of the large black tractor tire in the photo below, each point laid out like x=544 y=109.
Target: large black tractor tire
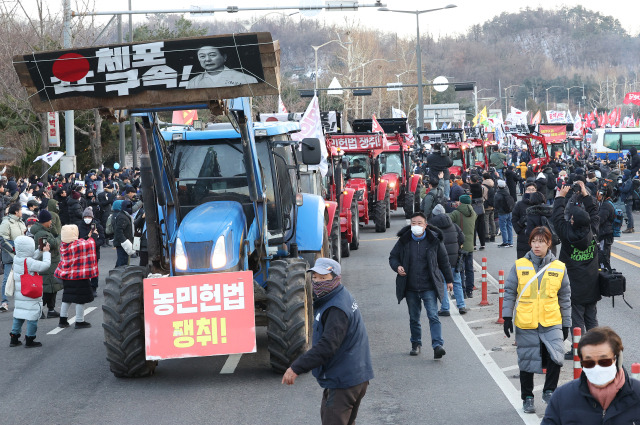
x=355 y=226
x=123 y=323
x=335 y=238
x=380 y=216
x=387 y=201
x=289 y=312
x=409 y=204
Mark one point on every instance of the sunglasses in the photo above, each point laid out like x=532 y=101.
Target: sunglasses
x=589 y=364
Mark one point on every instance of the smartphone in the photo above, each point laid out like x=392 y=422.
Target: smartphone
x=41 y=243
x=93 y=226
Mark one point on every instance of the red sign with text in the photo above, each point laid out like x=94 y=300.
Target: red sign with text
x=357 y=141
x=554 y=133
x=199 y=315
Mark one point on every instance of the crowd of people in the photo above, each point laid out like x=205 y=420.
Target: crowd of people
x=56 y=226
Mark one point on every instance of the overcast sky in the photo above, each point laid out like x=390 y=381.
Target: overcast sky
x=443 y=22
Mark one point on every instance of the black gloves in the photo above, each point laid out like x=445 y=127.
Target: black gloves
x=565 y=333
x=508 y=326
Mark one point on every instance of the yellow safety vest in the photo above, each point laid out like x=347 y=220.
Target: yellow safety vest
x=539 y=303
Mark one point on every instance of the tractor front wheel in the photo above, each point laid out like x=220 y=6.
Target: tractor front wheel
x=355 y=226
x=123 y=323
x=289 y=312
x=387 y=201
x=409 y=204
x=380 y=216
x=335 y=238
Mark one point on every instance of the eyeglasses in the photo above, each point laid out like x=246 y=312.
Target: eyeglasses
x=589 y=364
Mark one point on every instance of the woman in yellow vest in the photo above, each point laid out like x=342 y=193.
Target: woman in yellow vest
x=538 y=289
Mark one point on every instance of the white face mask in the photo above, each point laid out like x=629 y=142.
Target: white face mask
x=417 y=230
x=88 y=220
x=599 y=375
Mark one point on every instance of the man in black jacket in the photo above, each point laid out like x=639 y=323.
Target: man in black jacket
x=123 y=231
x=440 y=161
x=90 y=227
x=579 y=252
x=519 y=218
x=420 y=259
x=453 y=238
x=340 y=357
x=607 y=213
x=633 y=161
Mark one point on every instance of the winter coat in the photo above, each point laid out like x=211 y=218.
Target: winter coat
x=491 y=193
x=573 y=400
x=28 y=308
x=430 y=200
x=49 y=282
x=456 y=192
x=122 y=228
x=579 y=252
x=501 y=200
x=63 y=209
x=551 y=183
x=56 y=223
x=528 y=340
x=634 y=161
x=512 y=180
x=465 y=217
x=607 y=214
x=626 y=190
x=453 y=237
x=84 y=231
x=519 y=220
x=105 y=199
x=436 y=253
x=10 y=229
x=78 y=264
x=437 y=163
x=75 y=210
x=498 y=159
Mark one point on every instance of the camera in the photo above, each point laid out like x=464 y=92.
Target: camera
x=576 y=187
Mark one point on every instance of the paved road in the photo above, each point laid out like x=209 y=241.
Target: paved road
x=68 y=380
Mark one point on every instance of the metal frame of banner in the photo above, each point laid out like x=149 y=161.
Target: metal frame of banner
x=462 y=84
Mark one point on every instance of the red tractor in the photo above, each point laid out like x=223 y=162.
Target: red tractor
x=481 y=146
x=459 y=150
x=395 y=163
x=362 y=151
x=538 y=149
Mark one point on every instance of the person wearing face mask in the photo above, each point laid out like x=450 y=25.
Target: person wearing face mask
x=91 y=228
x=340 y=358
x=604 y=393
x=420 y=259
x=43 y=229
x=519 y=218
x=538 y=289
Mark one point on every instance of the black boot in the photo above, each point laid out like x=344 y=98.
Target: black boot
x=52 y=314
x=63 y=323
x=15 y=340
x=31 y=342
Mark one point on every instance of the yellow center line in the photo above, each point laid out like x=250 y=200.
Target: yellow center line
x=383 y=239
x=628 y=244
x=633 y=263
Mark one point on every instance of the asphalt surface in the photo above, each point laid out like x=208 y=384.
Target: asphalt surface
x=68 y=379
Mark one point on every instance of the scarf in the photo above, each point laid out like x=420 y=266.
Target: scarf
x=323 y=287
x=606 y=395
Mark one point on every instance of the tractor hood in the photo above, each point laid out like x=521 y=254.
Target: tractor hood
x=221 y=223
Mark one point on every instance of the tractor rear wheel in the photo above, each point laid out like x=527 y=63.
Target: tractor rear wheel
x=355 y=226
x=409 y=204
x=335 y=238
x=387 y=201
x=289 y=312
x=123 y=323
x=380 y=216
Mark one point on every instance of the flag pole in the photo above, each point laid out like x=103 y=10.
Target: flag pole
x=46 y=171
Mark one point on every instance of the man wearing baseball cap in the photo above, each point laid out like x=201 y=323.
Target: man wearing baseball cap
x=340 y=358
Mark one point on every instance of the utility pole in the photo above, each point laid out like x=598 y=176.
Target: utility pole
x=68 y=161
x=121 y=126
x=132 y=120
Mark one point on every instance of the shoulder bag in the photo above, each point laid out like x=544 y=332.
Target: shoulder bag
x=30 y=285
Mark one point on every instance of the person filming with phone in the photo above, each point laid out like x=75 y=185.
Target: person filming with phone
x=42 y=232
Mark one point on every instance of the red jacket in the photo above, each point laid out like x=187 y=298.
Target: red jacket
x=77 y=260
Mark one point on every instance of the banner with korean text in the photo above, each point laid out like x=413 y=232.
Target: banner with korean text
x=554 y=133
x=199 y=315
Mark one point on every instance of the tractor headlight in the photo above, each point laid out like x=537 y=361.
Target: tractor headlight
x=219 y=256
x=181 y=258
x=392 y=185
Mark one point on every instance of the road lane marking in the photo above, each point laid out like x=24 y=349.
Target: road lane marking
x=71 y=321
x=633 y=263
x=488 y=334
x=628 y=244
x=508 y=389
x=508 y=368
x=231 y=364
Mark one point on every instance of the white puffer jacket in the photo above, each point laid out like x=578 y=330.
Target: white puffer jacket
x=28 y=308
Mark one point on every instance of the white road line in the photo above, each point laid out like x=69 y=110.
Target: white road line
x=512 y=394
x=486 y=319
x=508 y=368
x=488 y=333
x=231 y=363
x=71 y=321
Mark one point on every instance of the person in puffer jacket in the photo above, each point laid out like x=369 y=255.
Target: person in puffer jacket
x=27 y=308
x=519 y=219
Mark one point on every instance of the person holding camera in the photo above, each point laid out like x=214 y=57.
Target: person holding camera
x=43 y=234
x=91 y=228
x=439 y=161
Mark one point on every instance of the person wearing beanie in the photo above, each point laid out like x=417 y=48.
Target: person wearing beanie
x=78 y=265
x=579 y=252
x=91 y=228
x=503 y=204
x=75 y=207
x=465 y=217
x=453 y=238
x=43 y=231
x=26 y=308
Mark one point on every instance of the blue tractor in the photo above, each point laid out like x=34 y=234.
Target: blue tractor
x=225 y=198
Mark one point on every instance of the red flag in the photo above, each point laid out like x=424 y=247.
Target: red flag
x=618 y=117
x=377 y=128
x=184 y=117
x=632 y=98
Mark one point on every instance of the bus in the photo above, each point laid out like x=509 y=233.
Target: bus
x=614 y=143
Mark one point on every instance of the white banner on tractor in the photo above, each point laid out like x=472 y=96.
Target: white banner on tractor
x=311 y=126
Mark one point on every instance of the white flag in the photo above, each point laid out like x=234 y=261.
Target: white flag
x=397 y=113
x=311 y=126
x=50 y=158
x=281 y=108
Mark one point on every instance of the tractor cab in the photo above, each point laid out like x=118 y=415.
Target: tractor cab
x=536 y=145
x=460 y=151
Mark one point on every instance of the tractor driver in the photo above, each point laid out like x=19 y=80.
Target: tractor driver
x=356 y=168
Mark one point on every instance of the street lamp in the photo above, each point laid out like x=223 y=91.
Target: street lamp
x=418 y=54
x=506 y=99
x=475 y=96
x=362 y=83
x=315 y=50
x=547 y=89
x=573 y=87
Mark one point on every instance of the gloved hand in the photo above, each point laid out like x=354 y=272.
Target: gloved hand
x=565 y=333
x=508 y=326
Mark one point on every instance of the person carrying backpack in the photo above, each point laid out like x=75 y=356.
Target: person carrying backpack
x=607 y=213
x=503 y=205
x=433 y=198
